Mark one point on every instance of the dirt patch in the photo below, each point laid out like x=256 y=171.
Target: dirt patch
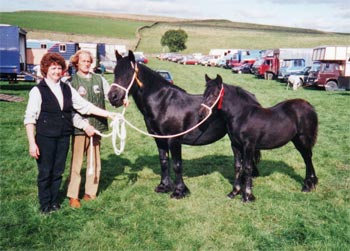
x=10 y=98
x=60 y=36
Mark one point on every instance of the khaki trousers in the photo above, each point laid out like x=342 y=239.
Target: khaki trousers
x=81 y=148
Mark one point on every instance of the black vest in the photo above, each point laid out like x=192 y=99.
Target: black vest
x=52 y=121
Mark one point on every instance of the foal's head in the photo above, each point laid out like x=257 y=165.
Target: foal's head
x=212 y=95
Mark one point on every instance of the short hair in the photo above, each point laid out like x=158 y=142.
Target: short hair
x=51 y=58
x=75 y=58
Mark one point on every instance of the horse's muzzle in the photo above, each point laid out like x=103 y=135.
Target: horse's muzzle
x=115 y=99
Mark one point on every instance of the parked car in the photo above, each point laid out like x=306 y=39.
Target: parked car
x=298 y=79
x=302 y=75
x=174 y=57
x=188 y=60
x=244 y=68
x=166 y=75
x=206 y=60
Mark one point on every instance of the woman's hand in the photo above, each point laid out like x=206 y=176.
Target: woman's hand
x=90 y=130
x=112 y=115
x=34 y=151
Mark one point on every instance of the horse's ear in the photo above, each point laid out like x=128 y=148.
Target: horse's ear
x=131 y=56
x=117 y=55
x=218 y=79
x=207 y=79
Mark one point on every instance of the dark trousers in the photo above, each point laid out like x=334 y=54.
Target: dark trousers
x=51 y=165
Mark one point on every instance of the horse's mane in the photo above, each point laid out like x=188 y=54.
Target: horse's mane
x=153 y=77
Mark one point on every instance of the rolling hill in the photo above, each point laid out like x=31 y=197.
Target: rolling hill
x=127 y=29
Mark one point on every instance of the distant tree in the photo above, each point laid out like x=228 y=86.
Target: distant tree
x=175 y=40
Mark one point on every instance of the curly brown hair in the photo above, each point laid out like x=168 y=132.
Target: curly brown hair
x=51 y=58
x=75 y=58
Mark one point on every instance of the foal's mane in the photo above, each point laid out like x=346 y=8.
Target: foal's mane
x=245 y=95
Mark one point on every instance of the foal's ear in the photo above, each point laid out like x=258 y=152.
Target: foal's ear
x=207 y=79
x=218 y=79
x=131 y=56
x=117 y=55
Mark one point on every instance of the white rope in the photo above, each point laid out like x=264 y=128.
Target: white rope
x=118 y=124
x=91 y=169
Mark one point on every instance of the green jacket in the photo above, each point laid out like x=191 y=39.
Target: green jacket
x=92 y=90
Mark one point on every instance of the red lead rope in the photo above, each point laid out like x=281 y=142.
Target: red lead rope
x=222 y=92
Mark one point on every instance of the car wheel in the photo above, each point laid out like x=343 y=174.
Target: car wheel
x=331 y=86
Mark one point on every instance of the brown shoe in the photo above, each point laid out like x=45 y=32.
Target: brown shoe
x=89 y=197
x=74 y=203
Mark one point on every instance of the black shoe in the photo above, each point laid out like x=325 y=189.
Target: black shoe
x=45 y=210
x=55 y=207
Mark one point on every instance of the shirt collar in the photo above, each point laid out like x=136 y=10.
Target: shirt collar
x=52 y=84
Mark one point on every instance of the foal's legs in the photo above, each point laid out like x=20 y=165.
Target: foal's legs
x=180 y=189
x=302 y=144
x=248 y=155
x=166 y=184
x=237 y=184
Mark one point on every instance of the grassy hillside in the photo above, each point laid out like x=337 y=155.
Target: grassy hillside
x=201 y=38
x=203 y=34
x=73 y=23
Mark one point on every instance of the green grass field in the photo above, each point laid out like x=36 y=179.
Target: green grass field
x=129 y=215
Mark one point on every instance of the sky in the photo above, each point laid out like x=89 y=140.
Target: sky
x=323 y=15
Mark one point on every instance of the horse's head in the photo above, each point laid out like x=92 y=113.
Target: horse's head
x=124 y=76
x=212 y=94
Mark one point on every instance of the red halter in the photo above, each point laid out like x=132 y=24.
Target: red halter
x=221 y=94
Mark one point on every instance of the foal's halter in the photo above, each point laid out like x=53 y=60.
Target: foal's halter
x=218 y=101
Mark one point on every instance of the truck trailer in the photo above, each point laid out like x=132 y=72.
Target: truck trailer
x=12 y=52
x=288 y=59
x=334 y=73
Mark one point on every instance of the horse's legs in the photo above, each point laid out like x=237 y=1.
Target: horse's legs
x=248 y=155
x=166 y=184
x=237 y=184
x=302 y=144
x=180 y=189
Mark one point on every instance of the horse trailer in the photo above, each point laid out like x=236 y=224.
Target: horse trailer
x=12 y=52
x=334 y=73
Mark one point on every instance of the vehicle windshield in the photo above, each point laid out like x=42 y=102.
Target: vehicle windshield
x=259 y=62
x=285 y=63
x=316 y=66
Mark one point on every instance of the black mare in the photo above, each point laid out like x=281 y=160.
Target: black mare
x=167 y=110
x=251 y=128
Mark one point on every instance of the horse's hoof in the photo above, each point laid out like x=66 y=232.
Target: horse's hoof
x=180 y=194
x=309 y=184
x=177 y=195
x=161 y=188
x=232 y=195
x=248 y=198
